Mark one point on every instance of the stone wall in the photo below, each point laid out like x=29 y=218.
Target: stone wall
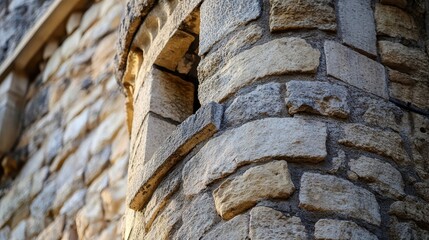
x=17 y=16
x=313 y=120
x=66 y=176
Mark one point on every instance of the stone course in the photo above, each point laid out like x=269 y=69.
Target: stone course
x=337 y=229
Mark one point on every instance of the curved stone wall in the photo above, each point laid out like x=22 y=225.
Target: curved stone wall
x=313 y=121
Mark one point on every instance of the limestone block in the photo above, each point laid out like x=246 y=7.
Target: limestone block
x=64 y=192
x=355 y=69
x=357 y=25
x=113 y=199
x=160 y=197
x=10 y=118
x=333 y=195
x=298 y=14
x=166 y=95
x=197 y=218
x=210 y=63
x=406 y=230
x=14 y=199
x=381 y=177
x=286 y=138
x=106 y=131
x=37 y=107
x=73 y=204
x=264 y=101
x=97 y=164
x=34 y=227
x=215 y=26
x=277 y=57
x=73 y=22
x=234 y=229
x=398 y=3
x=4 y=233
x=43 y=202
x=77 y=127
x=18 y=233
x=415 y=94
x=337 y=229
x=395 y=22
x=71 y=44
x=14 y=84
x=317 y=97
x=271 y=180
x=50 y=49
x=54 y=144
x=385 y=143
x=38 y=180
x=411 y=209
x=89 y=220
x=54 y=230
x=90 y=17
x=164 y=224
x=422 y=190
x=383 y=114
x=267 y=223
x=197 y=128
x=175 y=50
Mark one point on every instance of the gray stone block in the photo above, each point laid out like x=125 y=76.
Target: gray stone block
x=357 y=25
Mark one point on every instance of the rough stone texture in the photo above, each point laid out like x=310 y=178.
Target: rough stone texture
x=164 y=224
x=76 y=127
x=197 y=218
x=355 y=69
x=215 y=26
x=333 y=195
x=383 y=114
x=280 y=56
x=234 y=229
x=200 y=126
x=37 y=107
x=406 y=230
x=357 y=25
x=382 y=177
x=337 y=229
x=385 y=143
x=412 y=209
x=395 y=22
x=399 y=3
x=165 y=94
x=271 y=180
x=267 y=223
x=285 y=138
x=264 y=101
x=175 y=49
x=298 y=14
x=317 y=97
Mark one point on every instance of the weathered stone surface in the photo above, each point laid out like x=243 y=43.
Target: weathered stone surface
x=113 y=199
x=43 y=202
x=280 y=56
x=53 y=144
x=73 y=204
x=357 y=25
x=422 y=190
x=73 y=22
x=52 y=66
x=166 y=95
x=195 y=129
x=106 y=131
x=420 y=144
x=317 y=97
x=37 y=107
x=54 y=230
x=160 y=197
x=96 y=164
x=18 y=233
x=197 y=218
x=385 y=143
x=89 y=17
x=415 y=94
x=175 y=49
x=89 y=220
x=285 y=138
x=234 y=229
x=355 y=69
x=264 y=101
x=383 y=114
x=71 y=44
x=271 y=180
x=76 y=127
x=38 y=180
x=329 y=194
x=381 y=176
x=210 y=63
x=298 y=14
x=337 y=229
x=395 y=22
x=65 y=191
x=13 y=200
x=399 y=3
x=267 y=223
x=50 y=48
x=165 y=222
x=4 y=233
x=411 y=209
x=215 y=26
x=406 y=230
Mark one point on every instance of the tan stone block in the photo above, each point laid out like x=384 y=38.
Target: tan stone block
x=113 y=199
x=333 y=195
x=50 y=48
x=395 y=22
x=53 y=64
x=298 y=14
x=381 y=176
x=271 y=180
x=77 y=127
x=175 y=49
x=267 y=223
x=385 y=143
x=54 y=230
x=106 y=131
x=70 y=45
x=277 y=57
x=73 y=22
x=286 y=138
x=337 y=229
x=89 y=17
x=234 y=229
x=165 y=222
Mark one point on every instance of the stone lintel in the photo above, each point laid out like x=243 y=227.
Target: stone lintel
x=195 y=129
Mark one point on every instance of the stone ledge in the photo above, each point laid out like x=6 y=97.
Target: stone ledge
x=195 y=129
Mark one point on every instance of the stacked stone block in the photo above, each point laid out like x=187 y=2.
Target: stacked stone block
x=317 y=140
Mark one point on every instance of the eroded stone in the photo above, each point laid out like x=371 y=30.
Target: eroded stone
x=286 y=138
x=234 y=229
x=411 y=209
x=329 y=194
x=337 y=229
x=271 y=180
x=395 y=22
